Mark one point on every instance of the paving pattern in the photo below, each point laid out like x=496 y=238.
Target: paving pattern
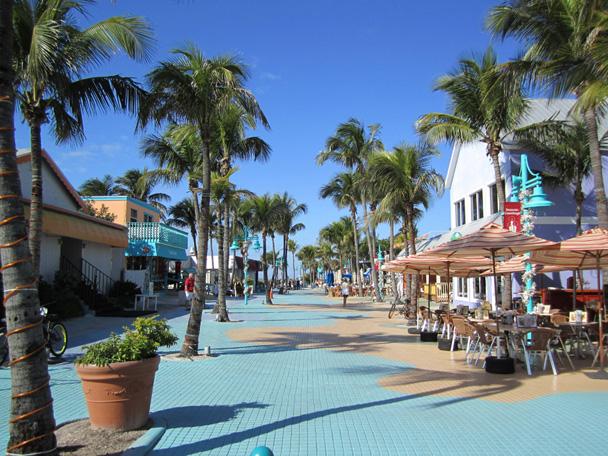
x=304 y=390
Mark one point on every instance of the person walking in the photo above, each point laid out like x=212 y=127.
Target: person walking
x=189 y=289
x=345 y=291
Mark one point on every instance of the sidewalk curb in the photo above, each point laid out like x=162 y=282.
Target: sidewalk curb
x=148 y=441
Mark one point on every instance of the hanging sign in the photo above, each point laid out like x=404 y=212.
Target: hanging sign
x=512 y=218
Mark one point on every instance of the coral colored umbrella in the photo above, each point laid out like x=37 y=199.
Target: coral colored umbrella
x=586 y=251
x=518 y=264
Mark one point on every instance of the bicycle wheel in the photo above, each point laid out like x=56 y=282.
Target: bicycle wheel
x=58 y=339
x=392 y=311
x=3 y=349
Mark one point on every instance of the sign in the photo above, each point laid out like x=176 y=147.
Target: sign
x=512 y=218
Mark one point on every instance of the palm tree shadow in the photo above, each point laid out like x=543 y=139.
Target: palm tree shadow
x=202 y=415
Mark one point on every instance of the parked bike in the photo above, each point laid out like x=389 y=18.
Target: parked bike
x=406 y=309
x=55 y=334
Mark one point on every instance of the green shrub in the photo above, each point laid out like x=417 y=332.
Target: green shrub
x=141 y=341
x=122 y=293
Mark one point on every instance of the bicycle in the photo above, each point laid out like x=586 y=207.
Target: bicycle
x=406 y=310
x=55 y=335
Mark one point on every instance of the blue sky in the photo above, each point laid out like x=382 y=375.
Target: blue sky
x=313 y=64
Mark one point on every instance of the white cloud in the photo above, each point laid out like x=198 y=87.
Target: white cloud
x=267 y=75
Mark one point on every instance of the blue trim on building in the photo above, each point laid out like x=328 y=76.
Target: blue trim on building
x=155 y=249
x=122 y=198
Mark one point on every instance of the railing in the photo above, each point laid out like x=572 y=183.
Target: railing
x=95 y=282
x=158 y=232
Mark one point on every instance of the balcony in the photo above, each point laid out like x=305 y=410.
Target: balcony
x=157 y=239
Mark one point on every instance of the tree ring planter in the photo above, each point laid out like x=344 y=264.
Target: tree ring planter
x=413 y=330
x=496 y=365
x=118 y=395
x=428 y=336
x=445 y=344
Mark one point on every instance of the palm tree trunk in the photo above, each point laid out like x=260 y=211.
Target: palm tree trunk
x=221 y=294
x=226 y=258
x=265 y=268
x=596 y=168
x=406 y=246
x=193 y=234
x=36 y=199
x=494 y=151
x=409 y=211
x=371 y=251
x=391 y=248
x=353 y=216
x=274 y=262
x=293 y=264
x=579 y=198
x=285 y=273
x=30 y=389
x=190 y=345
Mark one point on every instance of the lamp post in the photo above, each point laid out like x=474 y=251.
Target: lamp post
x=527 y=189
x=243 y=243
x=380 y=260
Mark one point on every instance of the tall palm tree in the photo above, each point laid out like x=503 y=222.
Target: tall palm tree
x=337 y=234
x=262 y=213
x=195 y=89
x=139 y=184
x=566 y=52
x=406 y=179
x=307 y=256
x=182 y=215
x=343 y=191
x=566 y=151
x=98 y=187
x=290 y=210
x=52 y=56
x=351 y=146
x=31 y=421
x=486 y=107
x=232 y=143
x=293 y=247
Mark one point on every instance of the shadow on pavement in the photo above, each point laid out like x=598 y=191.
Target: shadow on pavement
x=202 y=415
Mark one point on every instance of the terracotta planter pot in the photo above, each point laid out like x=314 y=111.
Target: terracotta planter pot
x=118 y=395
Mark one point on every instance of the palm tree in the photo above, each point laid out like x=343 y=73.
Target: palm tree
x=232 y=143
x=181 y=215
x=139 y=184
x=98 y=187
x=307 y=256
x=351 y=146
x=406 y=179
x=290 y=210
x=566 y=151
x=486 y=107
x=566 y=53
x=293 y=247
x=337 y=234
x=262 y=213
x=52 y=54
x=343 y=191
x=31 y=424
x=195 y=89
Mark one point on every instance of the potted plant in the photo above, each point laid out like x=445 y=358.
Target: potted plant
x=117 y=374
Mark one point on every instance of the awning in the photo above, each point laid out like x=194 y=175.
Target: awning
x=155 y=249
x=82 y=227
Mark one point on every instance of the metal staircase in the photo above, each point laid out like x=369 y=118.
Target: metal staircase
x=96 y=284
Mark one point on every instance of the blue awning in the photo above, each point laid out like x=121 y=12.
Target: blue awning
x=155 y=249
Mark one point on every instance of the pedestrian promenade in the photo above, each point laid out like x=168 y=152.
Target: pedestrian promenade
x=306 y=376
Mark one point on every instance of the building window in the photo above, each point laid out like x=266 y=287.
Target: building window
x=494 y=207
x=459 y=212
x=463 y=289
x=147 y=217
x=480 y=287
x=133 y=216
x=477 y=205
x=137 y=263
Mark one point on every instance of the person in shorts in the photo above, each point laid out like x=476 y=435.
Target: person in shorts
x=189 y=289
x=345 y=291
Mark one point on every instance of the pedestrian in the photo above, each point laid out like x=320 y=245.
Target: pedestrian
x=345 y=291
x=189 y=289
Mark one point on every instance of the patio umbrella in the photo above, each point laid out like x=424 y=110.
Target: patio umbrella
x=491 y=241
x=518 y=264
x=586 y=251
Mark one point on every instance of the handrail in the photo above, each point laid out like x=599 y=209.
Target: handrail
x=94 y=278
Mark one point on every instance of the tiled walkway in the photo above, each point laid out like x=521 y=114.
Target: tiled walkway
x=300 y=378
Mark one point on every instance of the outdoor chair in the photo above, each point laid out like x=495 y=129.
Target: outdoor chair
x=538 y=343
x=484 y=342
x=462 y=330
x=426 y=317
x=446 y=327
x=558 y=319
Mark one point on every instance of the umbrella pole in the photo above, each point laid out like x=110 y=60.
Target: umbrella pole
x=574 y=290
x=601 y=323
x=496 y=301
x=428 y=298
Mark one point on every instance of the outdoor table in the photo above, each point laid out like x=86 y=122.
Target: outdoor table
x=580 y=332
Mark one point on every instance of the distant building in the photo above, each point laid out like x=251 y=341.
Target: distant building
x=474 y=201
x=72 y=241
x=155 y=250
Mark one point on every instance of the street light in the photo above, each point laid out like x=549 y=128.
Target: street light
x=530 y=199
x=243 y=243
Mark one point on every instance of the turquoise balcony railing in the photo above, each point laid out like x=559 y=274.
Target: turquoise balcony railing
x=155 y=232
